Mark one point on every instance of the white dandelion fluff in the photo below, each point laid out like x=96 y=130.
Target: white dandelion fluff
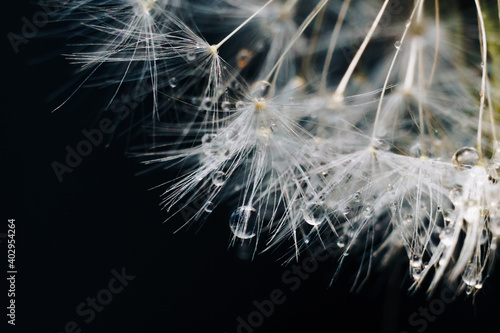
x=314 y=133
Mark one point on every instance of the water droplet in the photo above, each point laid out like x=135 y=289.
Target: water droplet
x=209 y=206
x=408 y=219
x=231 y=134
x=207 y=139
x=325 y=173
x=397 y=44
x=215 y=148
x=219 y=178
x=260 y=90
x=244 y=222
x=466 y=157
x=449 y=216
x=314 y=214
x=357 y=197
x=264 y=132
x=346 y=210
x=273 y=126
x=207 y=104
x=220 y=90
x=342 y=241
x=240 y=105
x=446 y=236
x=494 y=173
x=368 y=212
x=456 y=196
x=190 y=56
x=408 y=23
x=416 y=150
x=472 y=273
x=172 y=82
x=393 y=206
x=484 y=236
x=416 y=261
x=416 y=273
x=226 y=106
x=380 y=144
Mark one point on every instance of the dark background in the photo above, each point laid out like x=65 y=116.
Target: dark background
x=71 y=235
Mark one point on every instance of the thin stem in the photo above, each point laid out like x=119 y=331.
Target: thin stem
x=386 y=83
x=339 y=92
x=420 y=13
x=412 y=63
x=299 y=33
x=420 y=80
x=308 y=59
x=492 y=113
x=275 y=79
x=333 y=42
x=436 y=51
x=216 y=47
x=484 y=54
x=416 y=42
x=289 y=5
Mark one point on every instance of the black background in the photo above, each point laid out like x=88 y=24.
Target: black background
x=103 y=216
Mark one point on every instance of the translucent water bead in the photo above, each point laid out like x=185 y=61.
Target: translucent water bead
x=172 y=82
x=219 y=178
x=416 y=261
x=207 y=139
x=260 y=90
x=494 y=173
x=226 y=106
x=244 y=222
x=472 y=273
x=342 y=241
x=314 y=214
x=416 y=273
x=380 y=144
x=191 y=56
x=466 y=157
x=215 y=147
x=446 y=236
x=456 y=196
x=207 y=104
x=240 y=105
x=209 y=207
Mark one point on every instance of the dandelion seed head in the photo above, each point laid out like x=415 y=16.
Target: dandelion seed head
x=316 y=130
